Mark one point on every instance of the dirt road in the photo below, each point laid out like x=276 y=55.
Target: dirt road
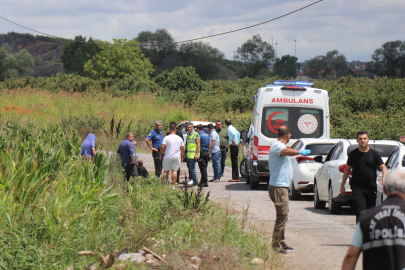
x=320 y=240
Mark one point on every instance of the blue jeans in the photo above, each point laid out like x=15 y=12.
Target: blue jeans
x=223 y=158
x=216 y=164
x=192 y=171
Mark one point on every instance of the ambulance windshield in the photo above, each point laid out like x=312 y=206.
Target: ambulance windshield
x=303 y=122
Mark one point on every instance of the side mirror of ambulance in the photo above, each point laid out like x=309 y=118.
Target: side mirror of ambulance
x=319 y=159
x=243 y=135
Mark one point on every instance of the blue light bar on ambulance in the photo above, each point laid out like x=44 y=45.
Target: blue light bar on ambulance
x=298 y=83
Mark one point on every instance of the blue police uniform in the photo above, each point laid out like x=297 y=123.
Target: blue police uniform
x=156 y=138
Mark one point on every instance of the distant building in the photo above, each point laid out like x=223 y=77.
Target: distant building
x=357 y=65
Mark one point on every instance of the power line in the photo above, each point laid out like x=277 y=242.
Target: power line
x=177 y=42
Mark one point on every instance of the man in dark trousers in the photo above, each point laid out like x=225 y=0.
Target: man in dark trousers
x=204 y=155
x=364 y=161
x=223 y=143
x=127 y=154
x=234 y=138
x=380 y=233
x=156 y=137
x=178 y=133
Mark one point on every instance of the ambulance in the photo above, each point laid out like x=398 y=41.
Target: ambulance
x=296 y=104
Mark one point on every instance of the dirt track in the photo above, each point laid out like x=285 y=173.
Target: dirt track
x=320 y=240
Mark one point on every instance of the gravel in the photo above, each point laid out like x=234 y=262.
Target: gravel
x=320 y=240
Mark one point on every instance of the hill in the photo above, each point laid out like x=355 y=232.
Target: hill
x=46 y=51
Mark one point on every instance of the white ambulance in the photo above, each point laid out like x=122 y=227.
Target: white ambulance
x=304 y=109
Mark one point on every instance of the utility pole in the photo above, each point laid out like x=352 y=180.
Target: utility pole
x=272 y=43
x=276 y=49
x=234 y=55
x=295 y=47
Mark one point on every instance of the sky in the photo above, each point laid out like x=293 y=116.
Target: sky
x=356 y=28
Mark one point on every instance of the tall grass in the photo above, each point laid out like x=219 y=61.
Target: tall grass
x=52 y=205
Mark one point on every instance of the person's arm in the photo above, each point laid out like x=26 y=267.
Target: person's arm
x=350 y=260
x=93 y=150
x=162 y=151
x=198 y=149
x=344 y=178
x=150 y=145
x=383 y=168
x=182 y=153
x=211 y=146
x=289 y=152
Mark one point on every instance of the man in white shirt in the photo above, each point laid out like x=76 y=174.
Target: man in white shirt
x=173 y=151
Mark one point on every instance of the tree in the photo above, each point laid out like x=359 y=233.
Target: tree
x=180 y=79
x=76 y=54
x=333 y=65
x=286 y=67
x=15 y=65
x=123 y=59
x=156 y=46
x=204 y=58
x=389 y=60
x=256 y=54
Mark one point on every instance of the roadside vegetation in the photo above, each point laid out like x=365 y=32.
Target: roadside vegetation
x=53 y=206
x=377 y=105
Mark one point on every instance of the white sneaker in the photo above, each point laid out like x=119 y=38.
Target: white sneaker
x=190 y=183
x=173 y=187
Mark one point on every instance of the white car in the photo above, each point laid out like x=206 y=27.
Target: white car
x=329 y=176
x=182 y=127
x=304 y=167
x=395 y=160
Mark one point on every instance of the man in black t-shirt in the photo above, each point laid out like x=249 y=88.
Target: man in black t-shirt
x=364 y=162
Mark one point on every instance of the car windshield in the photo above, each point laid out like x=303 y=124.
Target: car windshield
x=383 y=149
x=319 y=149
x=303 y=122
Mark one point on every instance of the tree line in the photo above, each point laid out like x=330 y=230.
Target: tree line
x=151 y=54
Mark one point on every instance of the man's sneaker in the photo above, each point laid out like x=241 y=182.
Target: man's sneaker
x=287 y=247
x=282 y=251
x=173 y=187
x=190 y=183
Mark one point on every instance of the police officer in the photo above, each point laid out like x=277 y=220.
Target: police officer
x=193 y=150
x=204 y=155
x=380 y=233
x=156 y=137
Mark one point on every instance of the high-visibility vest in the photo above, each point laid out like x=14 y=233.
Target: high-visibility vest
x=191 y=145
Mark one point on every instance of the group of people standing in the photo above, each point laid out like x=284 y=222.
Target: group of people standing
x=168 y=152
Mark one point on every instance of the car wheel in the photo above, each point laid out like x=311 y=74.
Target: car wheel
x=317 y=203
x=243 y=168
x=254 y=182
x=294 y=194
x=334 y=207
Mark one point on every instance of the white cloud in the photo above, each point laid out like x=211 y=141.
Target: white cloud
x=354 y=28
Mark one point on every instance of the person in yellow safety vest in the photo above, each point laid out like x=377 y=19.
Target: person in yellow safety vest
x=193 y=152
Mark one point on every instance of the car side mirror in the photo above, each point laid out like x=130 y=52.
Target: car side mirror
x=243 y=135
x=319 y=159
